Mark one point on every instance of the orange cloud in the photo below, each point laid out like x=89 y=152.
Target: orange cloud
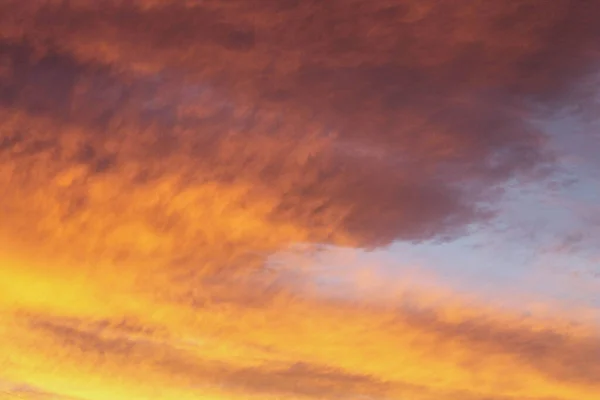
x=153 y=155
x=240 y=337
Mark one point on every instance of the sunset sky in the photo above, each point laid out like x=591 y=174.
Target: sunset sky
x=300 y=199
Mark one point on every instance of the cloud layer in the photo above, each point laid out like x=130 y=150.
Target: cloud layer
x=153 y=155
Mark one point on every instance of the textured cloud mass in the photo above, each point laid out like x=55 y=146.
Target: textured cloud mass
x=154 y=154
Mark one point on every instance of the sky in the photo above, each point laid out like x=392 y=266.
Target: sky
x=299 y=200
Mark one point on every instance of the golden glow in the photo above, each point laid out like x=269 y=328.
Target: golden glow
x=142 y=195
x=94 y=331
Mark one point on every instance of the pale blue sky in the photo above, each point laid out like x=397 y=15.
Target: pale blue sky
x=544 y=244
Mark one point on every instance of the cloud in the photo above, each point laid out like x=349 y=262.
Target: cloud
x=424 y=120
x=306 y=347
x=153 y=155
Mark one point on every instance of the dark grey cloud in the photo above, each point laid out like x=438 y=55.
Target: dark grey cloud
x=425 y=106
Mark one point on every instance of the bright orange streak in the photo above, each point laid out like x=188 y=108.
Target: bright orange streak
x=360 y=341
